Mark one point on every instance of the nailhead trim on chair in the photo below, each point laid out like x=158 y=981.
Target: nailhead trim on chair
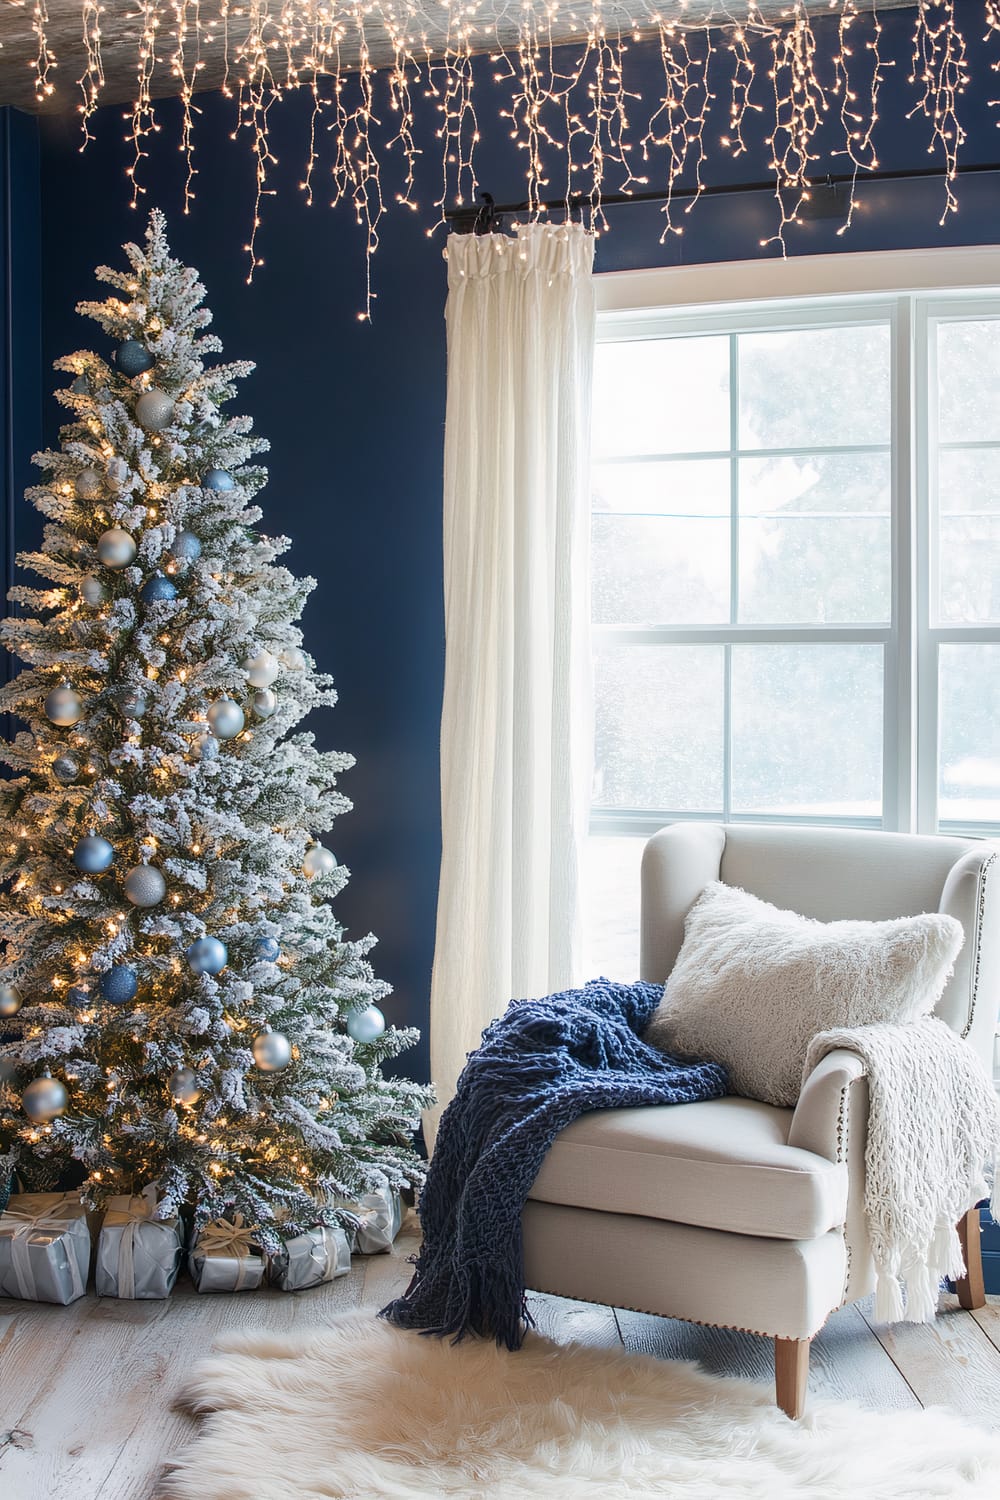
x=984 y=870
x=843 y=1145
x=698 y=1322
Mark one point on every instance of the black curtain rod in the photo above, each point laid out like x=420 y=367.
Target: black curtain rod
x=486 y=216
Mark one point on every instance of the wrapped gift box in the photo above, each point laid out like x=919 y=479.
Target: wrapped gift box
x=380 y=1218
x=138 y=1256
x=318 y=1255
x=225 y=1257
x=44 y=1247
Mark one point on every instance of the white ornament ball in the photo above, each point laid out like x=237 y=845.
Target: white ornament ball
x=63 y=707
x=154 y=410
x=262 y=669
x=293 y=658
x=144 y=885
x=183 y=1086
x=116 y=473
x=226 y=719
x=92 y=591
x=207 y=745
x=365 y=1025
x=88 y=484
x=264 y=703
x=272 y=1051
x=116 y=548
x=10 y=1001
x=318 y=861
x=43 y=1099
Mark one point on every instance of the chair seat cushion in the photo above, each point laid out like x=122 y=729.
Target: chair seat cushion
x=720 y=1164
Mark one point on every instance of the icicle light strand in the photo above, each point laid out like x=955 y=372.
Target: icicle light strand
x=571 y=106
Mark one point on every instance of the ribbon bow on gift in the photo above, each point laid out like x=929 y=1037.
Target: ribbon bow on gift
x=229 y=1237
x=41 y=1213
x=130 y=1212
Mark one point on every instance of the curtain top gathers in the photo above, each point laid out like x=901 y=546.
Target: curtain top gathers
x=547 y=249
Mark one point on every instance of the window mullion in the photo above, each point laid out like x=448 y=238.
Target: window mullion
x=924 y=648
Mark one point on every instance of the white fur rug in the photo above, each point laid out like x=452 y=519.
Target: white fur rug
x=359 y=1409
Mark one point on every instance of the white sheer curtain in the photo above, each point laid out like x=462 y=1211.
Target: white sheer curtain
x=516 y=740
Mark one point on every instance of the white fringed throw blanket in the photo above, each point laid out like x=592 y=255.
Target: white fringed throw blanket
x=934 y=1125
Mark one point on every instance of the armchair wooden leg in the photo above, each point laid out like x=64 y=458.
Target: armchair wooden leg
x=970 y=1288
x=791 y=1374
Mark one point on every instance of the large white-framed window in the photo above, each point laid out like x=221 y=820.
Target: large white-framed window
x=796 y=555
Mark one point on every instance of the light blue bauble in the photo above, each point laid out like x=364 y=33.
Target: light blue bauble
x=207 y=746
x=133 y=358
x=116 y=548
x=93 y=855
x=119 y=984
x=225 y=719
x=10 y=1001
x=218 y=479
x=92 y=591
x=63 y=706
x=365 y=1025
x=267 y=949
x=271 y=1051
x=207 y=955
x=186 y=546
x=154 y=410
x=265 y=703
x=157 y=588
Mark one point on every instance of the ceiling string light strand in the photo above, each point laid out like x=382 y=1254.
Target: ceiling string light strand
x=571 y=104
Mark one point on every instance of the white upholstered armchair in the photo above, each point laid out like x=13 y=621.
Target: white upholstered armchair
x=739 y=1214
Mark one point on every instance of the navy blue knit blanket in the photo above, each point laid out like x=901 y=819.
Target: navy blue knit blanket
x=541 y=1065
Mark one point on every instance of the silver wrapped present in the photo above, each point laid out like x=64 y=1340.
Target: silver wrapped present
x=318 y=1255
x=44 y=1247
x=226 y=1258
x=380 y=1218
x=138 y=1256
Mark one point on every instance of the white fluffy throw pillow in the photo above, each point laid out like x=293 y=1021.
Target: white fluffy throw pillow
x=753 y=985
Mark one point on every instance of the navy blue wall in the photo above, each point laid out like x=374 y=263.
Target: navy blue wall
x=355 y=413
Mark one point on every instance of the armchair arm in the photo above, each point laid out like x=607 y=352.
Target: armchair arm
x=832 y=1111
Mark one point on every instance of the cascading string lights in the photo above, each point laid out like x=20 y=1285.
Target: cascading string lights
x=583 y=131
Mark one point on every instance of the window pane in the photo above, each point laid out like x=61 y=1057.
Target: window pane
x=658 y=727
x=967 y=536
x=815 y=539
x=968 y=381
x=969 y=733
x=807 y=730
x=611 y=906
x=660 y=542
x=661 y=396
x=825 y=387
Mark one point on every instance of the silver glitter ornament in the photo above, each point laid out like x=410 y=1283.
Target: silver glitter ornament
x=88 y=484
x=92 y=591
x=43 y=1099
x=116 y=548
x=264 y=703
x=132 y=702
x=154 y=410
x=11 y=1001
x=226 y=719
x=365 y=1025
x=144 y=885
x=271 y=1051
x=262 y=669
x=66 y=768
x=63 y=706
x=318 y=861
x=183 y=1086
x=186 y=547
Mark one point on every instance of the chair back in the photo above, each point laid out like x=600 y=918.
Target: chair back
x=833 y=874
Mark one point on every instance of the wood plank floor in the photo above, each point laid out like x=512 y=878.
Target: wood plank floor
x=86 y=1391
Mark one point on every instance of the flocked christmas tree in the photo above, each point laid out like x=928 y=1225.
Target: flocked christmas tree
x=178 y=1003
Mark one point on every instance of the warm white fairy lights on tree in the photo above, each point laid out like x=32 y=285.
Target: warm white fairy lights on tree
x=178 y=1003
x=583 y=129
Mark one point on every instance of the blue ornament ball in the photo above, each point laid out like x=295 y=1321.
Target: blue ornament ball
x=218 y=479
x=157 y=588
x=119 y=984
x=267 y=949
x=365 y=1025
x=133 y=358
x=93 y=855
x=81 y=386
x=207 y=955
x=186 y=546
